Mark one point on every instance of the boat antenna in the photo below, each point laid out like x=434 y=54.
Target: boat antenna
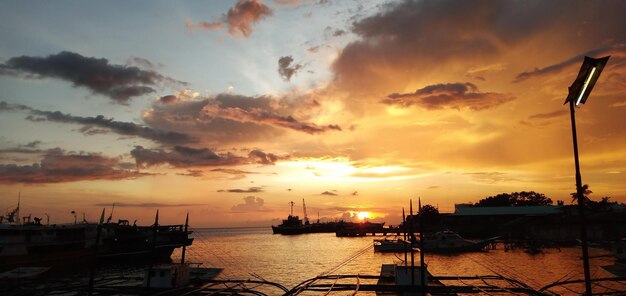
x=47 y=218
x=111 y=215
x=152 y=247
x=182 y=257
x=422 y=264
x=291 y=203
x=411 y=238
x=92 y=269
x=306 y=218
x=404 y=224
x=17 y=210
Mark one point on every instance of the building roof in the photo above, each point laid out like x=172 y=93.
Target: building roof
x=467 y=210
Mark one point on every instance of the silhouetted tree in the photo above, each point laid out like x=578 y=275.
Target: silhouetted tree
x=586 y=192
x=429 y=211
x=524 y=198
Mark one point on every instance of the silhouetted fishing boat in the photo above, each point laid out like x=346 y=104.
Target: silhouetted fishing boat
x=125 y=240
x=395 y=245
x=30 y=243
x=294 y=225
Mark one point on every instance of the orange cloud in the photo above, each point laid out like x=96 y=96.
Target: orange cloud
x=239 y=19
x=256 y=115
x=449 y=95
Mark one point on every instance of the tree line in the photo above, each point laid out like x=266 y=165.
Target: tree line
x=529 y=198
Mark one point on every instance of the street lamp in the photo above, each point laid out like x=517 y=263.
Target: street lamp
x=578 y=93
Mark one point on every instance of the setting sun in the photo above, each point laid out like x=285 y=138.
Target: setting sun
x=363 y=215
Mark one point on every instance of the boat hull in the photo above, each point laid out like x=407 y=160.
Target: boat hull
x=39 y=245
x=442 y=247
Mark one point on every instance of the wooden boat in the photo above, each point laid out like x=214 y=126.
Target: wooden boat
x=26 y=243
x=396 y=245
x=451 y=242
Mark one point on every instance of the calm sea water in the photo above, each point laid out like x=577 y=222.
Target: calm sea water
x=289 y=260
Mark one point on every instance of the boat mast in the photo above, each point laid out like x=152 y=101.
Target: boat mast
x=411 y=238
x=153 y=247
x=92 y=269
x=182 y=258
x=306 y=218
x=111 y=215
x=17 y=210
x=291 y=203
x=422 y=264
x=405 y=230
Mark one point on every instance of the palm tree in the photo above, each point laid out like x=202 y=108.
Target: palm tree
x=586 y=192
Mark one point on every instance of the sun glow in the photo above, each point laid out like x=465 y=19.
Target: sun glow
x=363 y=215
x=344 y=170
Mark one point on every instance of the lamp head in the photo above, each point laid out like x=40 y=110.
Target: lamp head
x=587 y=76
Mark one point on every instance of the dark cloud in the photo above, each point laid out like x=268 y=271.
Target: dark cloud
x=617 y=52
x=262 y=157
x=21 y=150
x=417 y=38
x=286 y=69
x=233 y=171
x=339 y=32
x=192 y=173
x=31 y=145
x=489 y=177
x=168 y=99
x=251 y=204
x=146 y=205
x=28 y=148
x=100 y=125
x=235 y=118
x=265 y=117
x=313 y=49
x=239 y=19
x=118 y=82
x=184 y=157
x=143 y=63
x=449 y=95
x=249 y=190
x=328 y=193
x=549 y=115
x=57 y=166
x=543 y=119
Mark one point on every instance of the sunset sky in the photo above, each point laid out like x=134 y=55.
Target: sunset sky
x=232 y=109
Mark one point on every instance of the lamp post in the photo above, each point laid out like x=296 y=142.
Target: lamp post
x=578 y=93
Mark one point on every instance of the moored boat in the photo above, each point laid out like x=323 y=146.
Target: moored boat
x=451 y=242
x=391 y=245
x=25 y=243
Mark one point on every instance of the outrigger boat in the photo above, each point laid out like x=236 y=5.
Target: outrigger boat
x=393 y=245
x=451 y=242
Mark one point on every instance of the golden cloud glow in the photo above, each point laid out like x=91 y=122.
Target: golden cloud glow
x=363 y=215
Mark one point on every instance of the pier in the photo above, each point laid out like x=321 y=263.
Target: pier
x=365 y=232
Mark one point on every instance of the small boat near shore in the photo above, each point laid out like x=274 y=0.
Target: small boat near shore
x=391 y=245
